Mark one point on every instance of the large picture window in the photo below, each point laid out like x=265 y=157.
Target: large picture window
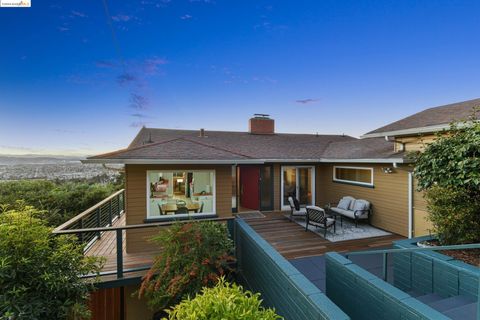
x=176 y=194
x=353 y=175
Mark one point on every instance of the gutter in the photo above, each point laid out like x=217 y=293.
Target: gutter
x=414 y=131
x=244 y=161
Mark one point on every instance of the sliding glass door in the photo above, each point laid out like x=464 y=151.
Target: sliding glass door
x=298 y=182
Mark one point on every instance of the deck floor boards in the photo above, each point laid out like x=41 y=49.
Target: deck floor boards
x=288 y=238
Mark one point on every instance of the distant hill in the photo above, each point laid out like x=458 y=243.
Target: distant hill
x=36 y=159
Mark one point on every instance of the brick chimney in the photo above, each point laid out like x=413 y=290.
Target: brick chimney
x=261 y=124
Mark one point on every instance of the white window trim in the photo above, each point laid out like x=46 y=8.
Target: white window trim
x=185 y=215
x=287 y=207
x=350 y=181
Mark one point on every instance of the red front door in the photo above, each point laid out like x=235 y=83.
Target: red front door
x=249 y=187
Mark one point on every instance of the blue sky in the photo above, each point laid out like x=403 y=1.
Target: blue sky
x=67 y=87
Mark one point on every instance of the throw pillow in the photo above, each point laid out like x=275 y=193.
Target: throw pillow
x=343 y=204
x=296 y=204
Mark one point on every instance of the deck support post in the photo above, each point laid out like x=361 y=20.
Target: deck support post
x=119 y=233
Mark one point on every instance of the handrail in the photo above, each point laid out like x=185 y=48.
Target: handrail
x=119 y=240
x=139 y=226
x=88 y=211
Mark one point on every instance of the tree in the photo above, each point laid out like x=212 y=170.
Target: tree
x=449 y=172
x=39 y=272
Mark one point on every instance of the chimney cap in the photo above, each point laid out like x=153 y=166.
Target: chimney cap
x=261 y=115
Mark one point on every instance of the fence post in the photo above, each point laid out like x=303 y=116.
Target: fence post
x=385 y=266
x=119 y=233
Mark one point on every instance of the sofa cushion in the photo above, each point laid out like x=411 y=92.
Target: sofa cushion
x=352 y=202
x=344 y=203
x=361 y=204
x=343 y=212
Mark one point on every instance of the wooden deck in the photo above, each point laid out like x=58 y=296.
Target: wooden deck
x=288 y=238
x=291 y=240
x=106 y=247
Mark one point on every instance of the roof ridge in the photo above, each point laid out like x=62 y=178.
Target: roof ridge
x=218 y=148
x=134 y=148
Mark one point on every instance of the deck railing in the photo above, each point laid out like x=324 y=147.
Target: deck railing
x=101 y=215
x=120 y=268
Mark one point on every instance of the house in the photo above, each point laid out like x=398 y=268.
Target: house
x=217 y=173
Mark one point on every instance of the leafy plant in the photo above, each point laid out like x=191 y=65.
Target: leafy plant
x=39 y=272
x=60 y=201
x=448 y=170
x=223 y=302
x=194 y=255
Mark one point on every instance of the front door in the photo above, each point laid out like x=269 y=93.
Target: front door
x=249 y=187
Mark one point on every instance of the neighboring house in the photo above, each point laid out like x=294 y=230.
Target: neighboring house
x=217 y=173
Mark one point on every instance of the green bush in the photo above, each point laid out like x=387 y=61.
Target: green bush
x=59 y=200
x=454 y=215
x=223 y=302
x=39 y=272
x=448 y=170
x=194 y=255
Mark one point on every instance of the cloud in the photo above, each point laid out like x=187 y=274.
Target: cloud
x=138 y=102
x=79 y=14
x=151 y=65
x=105 y=64
x=140 y=115
x=186 y=17
x=126 y=78
x=306 y=101
x=63 y=29
x=138 y=124
x=123 y=18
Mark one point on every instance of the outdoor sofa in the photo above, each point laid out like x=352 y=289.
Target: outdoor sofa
x=356 y=209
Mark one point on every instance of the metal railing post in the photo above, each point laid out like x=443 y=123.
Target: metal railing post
x=110 y=213
x=119 y=233
x=80 y=226
x=97 y=213
x=385 y=266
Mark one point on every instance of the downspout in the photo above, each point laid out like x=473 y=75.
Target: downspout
x=410 y=205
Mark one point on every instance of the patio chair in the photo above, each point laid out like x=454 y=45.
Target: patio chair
x=181 y=210
x=160 y=210
x=295 y=210
x=316 y=216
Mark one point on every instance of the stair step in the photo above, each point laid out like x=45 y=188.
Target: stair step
x=451 y=303
x=429 y=298
x=466 y=312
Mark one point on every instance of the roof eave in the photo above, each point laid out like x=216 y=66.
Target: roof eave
x=407 y=132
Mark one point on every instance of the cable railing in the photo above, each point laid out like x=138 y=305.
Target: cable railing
x=120 y=269
x=101 y=215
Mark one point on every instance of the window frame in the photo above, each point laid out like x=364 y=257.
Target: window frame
x=183 y=215
x=359 y=183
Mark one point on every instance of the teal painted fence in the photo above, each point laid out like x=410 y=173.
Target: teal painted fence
x=433 y=272
x=262 y=269
x=364 y=296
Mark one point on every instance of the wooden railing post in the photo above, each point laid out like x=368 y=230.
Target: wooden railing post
x=119 y=233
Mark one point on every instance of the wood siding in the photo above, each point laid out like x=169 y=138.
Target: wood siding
x=389 y=196
x=421 y=226
x=136 y=198
x=414 y=143
x=105 y=304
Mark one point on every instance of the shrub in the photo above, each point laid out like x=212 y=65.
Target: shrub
x=448 y=170
x=194 y=255
x=223 y=302
x=39 y=272
x=454 y=215
x=60 y=201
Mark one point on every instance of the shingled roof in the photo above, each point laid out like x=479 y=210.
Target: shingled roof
x=168 y=146
x=429 y=120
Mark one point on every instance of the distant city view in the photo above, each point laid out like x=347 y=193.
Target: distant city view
x=54 y=168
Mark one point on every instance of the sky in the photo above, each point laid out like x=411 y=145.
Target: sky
x=76 y=79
